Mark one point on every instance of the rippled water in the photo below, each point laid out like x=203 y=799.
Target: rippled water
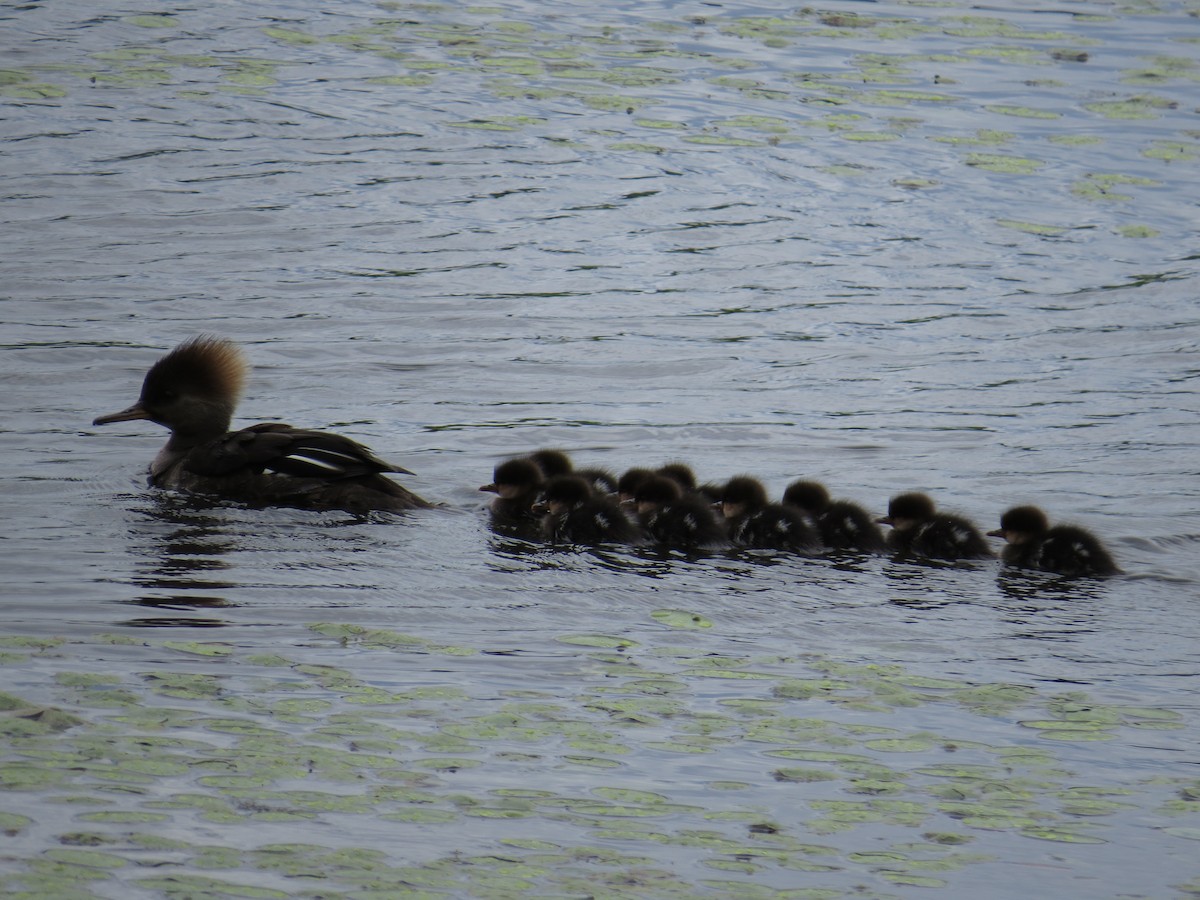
x=889 y=246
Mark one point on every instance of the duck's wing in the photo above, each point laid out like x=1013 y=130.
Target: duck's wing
x=1072 y=551
x=280 y=448
x=950 y=537
x=845 y=525
x=778 y=528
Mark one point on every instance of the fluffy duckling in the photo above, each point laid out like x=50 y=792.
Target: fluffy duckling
x=919 y=530
x=1064 y=549
x=679 y=472
x=842 y=525
x=628 y=484
x=676 y=520
x=193 y=391
x=756 y=523
x=517 y=484
x=575 y=514
x=556 y=462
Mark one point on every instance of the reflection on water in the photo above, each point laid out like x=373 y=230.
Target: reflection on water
x=181 y=545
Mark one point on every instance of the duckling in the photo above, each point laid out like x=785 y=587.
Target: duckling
x=517 y=484
x=918 y=530
x=756 y=523
x=575 y=514
x=628 y=484
x=679 y=472
x=193 y=391
x=556 y=462
x=1064 y=549
x=842 y=525
x=676 y=520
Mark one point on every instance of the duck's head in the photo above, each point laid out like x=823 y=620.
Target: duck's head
x=809 y=496
x=655 y=492
x=565 y=492
x=629 y=482
x=906 y=510
x=193 y=390
x=552 y=462
x=1020 y=524
x=742 y=494
x=514 y=478
x=679 y=472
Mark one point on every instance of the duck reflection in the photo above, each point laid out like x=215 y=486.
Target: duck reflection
x=1039 y=587
x=181 y=543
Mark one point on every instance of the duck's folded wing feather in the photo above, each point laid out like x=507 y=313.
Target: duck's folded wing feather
x=297 y=452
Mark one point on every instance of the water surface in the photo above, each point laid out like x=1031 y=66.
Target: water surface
x=890 y=246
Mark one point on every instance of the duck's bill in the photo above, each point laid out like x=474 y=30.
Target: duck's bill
x=126 y=415
x=999 y=532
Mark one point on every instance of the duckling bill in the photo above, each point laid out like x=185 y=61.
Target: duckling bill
x=193 y=392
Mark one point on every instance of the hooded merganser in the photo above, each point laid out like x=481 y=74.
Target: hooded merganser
x=919 y=530
x=674 y=519
x=1064 y=549
x=193 y=391
x=517 y=484
x=679 y=472
x=556 y=462
x=629 y=482
x=575 y=514
x=841 y=524
x=756 y=523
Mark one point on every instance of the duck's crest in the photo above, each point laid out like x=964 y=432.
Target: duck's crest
x=207 y=365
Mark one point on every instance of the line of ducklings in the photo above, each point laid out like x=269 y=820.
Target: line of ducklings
x=543 y=496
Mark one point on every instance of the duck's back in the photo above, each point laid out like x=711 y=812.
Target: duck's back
x=277 y=465
x=685 y=524
x=595 y=521
x=847 y=526
x=1066 y=550
x=942 y=537
x=774 y=527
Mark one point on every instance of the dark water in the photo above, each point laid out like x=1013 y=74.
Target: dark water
x=888 y=246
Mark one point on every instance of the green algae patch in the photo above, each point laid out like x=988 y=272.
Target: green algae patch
x=1034 y=228
x=1141 y=107
x=1061 y=834
x=597 y=640
x=12 y=823
x=416 y=80
x=91 y=859
x=873 y=137
x=153 y=21
x=1022 y=112
x=291 y=36
x=1075 y=140
x=186 y=886
x=29 y=721
x=680 y=618
x=1004 y=165
x=199 y=648
x=1172 y=151
x=720 y=140
x=982 y=138
x=771 y=124
x=30 y=643
x=673 y=691
x=1103 y=186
